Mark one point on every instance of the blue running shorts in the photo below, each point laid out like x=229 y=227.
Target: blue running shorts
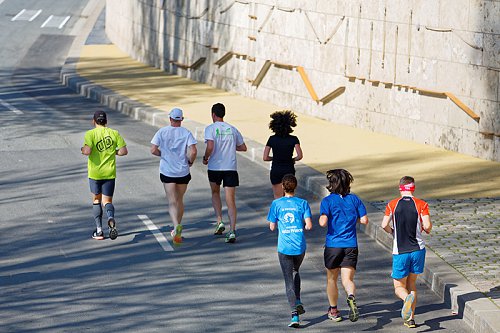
x=102 y=186
x=406 y=263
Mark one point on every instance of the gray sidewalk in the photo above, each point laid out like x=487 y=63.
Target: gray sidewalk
x=462 y=267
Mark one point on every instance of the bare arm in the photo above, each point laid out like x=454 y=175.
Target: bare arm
x=363 y=219
x=386 y=224
x=86 y=150
x=323 y=220
x=122 y=151
x=155 y=150
x=191 y=154
x=208 y=151
x=242 y=147
x=272 y=226
x=426 y=223
x=309 y=224
x=298 y=150
x=266 y=156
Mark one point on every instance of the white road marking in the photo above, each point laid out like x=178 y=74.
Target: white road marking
x=55 y=21
x=26 y=15
x=47 y=21
x=64 y=22
x=18 y=14
x=11 y=108
x=156 y=232
x=1 y=1
x=35 y=16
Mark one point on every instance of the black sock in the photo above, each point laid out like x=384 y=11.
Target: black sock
x=351 y=296
x=333 y=307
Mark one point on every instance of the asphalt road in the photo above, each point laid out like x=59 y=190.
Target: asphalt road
x=55 y=278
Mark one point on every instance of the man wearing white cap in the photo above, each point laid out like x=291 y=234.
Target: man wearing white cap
x=176 y=147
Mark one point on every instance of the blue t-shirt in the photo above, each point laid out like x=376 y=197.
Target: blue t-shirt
x=342 y=213
x=289 y=213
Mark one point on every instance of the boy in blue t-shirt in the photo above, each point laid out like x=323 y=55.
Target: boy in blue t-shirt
x=340 y=211
x=290 y=214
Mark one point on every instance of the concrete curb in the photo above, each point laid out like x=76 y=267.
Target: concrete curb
x=482 y=315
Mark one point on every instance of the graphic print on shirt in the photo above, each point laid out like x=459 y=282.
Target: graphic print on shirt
x=289 y=214
x=224 y=135
x=104 y=144
x=289 y=218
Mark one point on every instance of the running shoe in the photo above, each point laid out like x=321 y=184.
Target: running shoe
x=406 y=310
x=353 y=309
x=334 y=314
x=219 y=228
x=295 y=322
x=230 y=237
x=176 y=234
x=299 y=307
x=113 y=233
x=410 y=323
x=98 y=236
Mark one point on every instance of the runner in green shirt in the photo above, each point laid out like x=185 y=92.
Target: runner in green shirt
x=101 y=145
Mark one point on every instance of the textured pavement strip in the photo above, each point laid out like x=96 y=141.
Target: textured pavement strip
x=466 y=234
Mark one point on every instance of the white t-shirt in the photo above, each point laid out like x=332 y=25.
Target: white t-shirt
x=173 y=143
x=226 y=137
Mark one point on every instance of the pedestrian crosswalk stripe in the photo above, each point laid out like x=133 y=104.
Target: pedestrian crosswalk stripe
x=47 y=21
x=27 y=15
x=55 y=21
x=18 y=15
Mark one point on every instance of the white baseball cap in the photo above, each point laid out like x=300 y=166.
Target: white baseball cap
x=176 y=114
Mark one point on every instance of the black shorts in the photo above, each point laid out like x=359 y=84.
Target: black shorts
x=229 y=178
x=102 y=186
x=277 y=174
x=177 y=180
x=336 y=257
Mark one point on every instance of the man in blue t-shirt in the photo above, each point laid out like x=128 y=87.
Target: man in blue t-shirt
x=291 y=214
x=340 y=211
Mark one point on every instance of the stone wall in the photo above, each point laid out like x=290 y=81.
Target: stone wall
x=408 y=68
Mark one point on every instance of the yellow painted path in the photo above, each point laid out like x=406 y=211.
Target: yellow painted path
x=377 y=161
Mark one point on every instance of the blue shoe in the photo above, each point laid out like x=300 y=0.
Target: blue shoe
x=295 y=322
x=406 y=310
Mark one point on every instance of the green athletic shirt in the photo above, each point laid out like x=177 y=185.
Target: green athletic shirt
x=104 y=142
